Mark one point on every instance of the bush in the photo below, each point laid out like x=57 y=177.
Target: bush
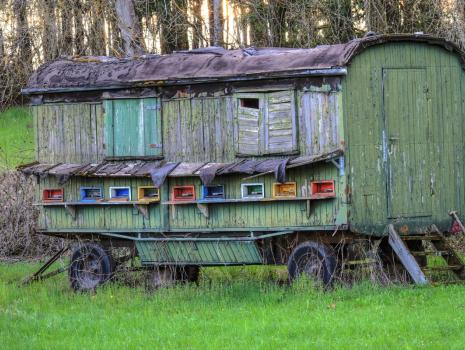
x=18 y=220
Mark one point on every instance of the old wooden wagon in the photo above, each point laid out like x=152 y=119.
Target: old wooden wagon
x=252 y=156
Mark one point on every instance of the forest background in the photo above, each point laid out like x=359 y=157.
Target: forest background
x=36 y=31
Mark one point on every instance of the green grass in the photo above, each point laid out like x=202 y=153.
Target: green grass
x=238 y=308
x=16 y=137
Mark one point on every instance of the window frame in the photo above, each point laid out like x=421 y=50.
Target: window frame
x=263 y=147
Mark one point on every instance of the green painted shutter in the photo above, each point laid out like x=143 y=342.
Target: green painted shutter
x=133 y=128
x=249 y=125
x=280 y=123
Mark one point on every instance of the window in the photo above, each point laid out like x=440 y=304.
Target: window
x=253 y=103
x=133 y=128
x=266 y=123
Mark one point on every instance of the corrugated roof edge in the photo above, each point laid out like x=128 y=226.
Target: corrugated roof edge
x=209 y=65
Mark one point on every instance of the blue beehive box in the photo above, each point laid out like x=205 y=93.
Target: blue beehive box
x=91 y=194
x=213 y=193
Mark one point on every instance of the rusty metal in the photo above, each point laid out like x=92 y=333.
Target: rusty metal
x=39 y=275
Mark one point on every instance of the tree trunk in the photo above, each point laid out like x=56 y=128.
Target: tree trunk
x=217 y=22
x=49 y=32
x=278 y=23
x=130 y=29
x=2 y=48
x=114 y=33
x=180 y=24
x=97 y=42
x=196 y=8
x=79 y=33
x=66 y=37
x=22 y=41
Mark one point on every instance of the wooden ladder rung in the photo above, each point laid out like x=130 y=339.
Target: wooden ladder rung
x=421 y=238
x=443 y=268
x=431 y=253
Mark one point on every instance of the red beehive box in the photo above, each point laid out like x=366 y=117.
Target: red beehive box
x=53 y=195
x=323 y=189
x=183 y=193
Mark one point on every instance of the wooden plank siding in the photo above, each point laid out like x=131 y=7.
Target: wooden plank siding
x=106 y=217
x=69 y=133
x=194 y=129
x=198 y=129
x=320 y=115
x=438 y=129
x=251 y=215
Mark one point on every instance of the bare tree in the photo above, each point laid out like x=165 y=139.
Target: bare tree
x=66 y=33
x=97 y=38
x=49 y=32
x=34 y=31
x=216 y=22
x=130 y=28
x=197 y=22
x=79 y=34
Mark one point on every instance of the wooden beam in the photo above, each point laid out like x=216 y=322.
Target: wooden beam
x=143 y=209
x=71 y=210
x=203 y=209
x=406 y=257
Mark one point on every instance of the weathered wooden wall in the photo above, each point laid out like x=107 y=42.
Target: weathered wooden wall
x=198 y=129
x=69 y=133
x=195 y=129
x=230 y=216
x=433 y=147
x=320 y=120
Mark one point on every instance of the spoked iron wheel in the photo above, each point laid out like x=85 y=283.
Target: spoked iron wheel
x=90 y=267
x=314 y=261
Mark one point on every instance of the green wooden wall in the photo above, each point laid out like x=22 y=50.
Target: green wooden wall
x=69 y=133
x=230 y=216
x=404 y=121
x=194 y=129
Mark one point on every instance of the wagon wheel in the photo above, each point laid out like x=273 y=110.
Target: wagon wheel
x=90 y=267
x=313 y=260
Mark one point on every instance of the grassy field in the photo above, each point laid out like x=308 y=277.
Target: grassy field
x=238 y=308
x=16 y=137
x=233 y=308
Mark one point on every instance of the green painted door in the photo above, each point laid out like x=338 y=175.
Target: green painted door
x=133 y=128
x=406 y=150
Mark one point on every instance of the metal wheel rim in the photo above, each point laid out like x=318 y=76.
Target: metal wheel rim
x=89 y=270
x=311 y=266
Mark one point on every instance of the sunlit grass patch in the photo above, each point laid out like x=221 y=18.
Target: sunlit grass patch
x=230 y=308
x=16 y=137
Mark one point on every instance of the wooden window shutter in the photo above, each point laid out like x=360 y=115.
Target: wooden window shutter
x=249 y=130
x=280 y=130
x=133 y=128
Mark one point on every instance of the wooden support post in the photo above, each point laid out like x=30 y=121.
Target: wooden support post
x=143 y=209
x=406 y=257
x=71 y=210
x=203 y=209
